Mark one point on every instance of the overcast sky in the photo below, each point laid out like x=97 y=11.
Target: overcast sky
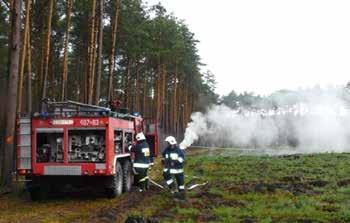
x=267 y=45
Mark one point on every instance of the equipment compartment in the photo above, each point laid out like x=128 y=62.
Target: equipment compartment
x=86 y=146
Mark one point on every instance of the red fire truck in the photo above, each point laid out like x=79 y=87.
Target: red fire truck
x=77 y=144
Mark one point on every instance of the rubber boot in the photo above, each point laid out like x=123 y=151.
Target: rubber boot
x=172 y=188
x=182 y=195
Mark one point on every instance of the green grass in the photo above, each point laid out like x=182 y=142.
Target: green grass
x=298 y=197
x=300 y=188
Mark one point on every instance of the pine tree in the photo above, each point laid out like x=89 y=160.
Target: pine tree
x=65 y=57
x=110 y=92
x=46 y=51
x=9 y=139
x=100 y=53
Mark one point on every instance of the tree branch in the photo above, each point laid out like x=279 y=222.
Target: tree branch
x=6 y=4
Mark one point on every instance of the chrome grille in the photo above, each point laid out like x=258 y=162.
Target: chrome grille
x=100 y=166
x=62 y=170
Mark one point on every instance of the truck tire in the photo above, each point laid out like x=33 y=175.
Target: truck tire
x=128 y=176
x=38 y=188
x=115 y=187
x=34 y=193
x=38 y=193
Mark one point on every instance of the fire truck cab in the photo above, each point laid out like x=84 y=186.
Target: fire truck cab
x=79 y=145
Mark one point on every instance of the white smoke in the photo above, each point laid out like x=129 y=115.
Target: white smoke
x=196 y=128
x=319 y=121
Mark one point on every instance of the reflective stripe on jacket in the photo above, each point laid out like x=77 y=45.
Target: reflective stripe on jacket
x=142 y=154
x=176 y=171
x=173 y=159
x=141 y=165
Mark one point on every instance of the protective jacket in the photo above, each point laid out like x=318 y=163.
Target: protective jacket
x=142 y=154
x=173 y=159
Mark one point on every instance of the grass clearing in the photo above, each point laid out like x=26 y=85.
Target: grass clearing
x=295 y=188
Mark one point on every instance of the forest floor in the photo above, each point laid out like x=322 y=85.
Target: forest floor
x=241 y=188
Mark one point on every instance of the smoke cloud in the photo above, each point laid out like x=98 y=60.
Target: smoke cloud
x=310 y=121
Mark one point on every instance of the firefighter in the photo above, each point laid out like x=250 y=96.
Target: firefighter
x=173 y=162
x=141 y=161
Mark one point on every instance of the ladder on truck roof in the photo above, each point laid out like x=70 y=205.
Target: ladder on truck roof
x=73 y=109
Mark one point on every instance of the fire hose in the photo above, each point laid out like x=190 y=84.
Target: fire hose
x=189 y=188
x=162 y=187
x=155 y=183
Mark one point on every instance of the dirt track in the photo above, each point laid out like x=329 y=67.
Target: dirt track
x=124 y=205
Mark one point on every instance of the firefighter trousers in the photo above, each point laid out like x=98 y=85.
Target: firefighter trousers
x=141 y=178
x=179 y=177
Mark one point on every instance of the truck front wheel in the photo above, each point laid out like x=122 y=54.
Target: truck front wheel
x=36 y=194
x=38 y=189
x=115 y=182
x=128 y=176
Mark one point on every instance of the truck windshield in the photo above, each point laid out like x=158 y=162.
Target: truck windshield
x=86 y=145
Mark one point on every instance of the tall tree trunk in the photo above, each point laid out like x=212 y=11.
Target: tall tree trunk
x=186 y=107
x=86 y=78
x=112 y=54
x=47 y=51
x=23 y=56
x=94 y=56
x=91 y=52
x=39 y=78
x=127 y=94
x=39 y=46
x=145 y=98
x=65 y=56
x=158 y=93
x=8 y=141
x=174 y=104
x=100 y=55
x=51 y=74
x=29 y=66
x=180 y=99
x=3 y=91
x=164 y=96
x=29 y=75
x=137 y=89
x=83 y=79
